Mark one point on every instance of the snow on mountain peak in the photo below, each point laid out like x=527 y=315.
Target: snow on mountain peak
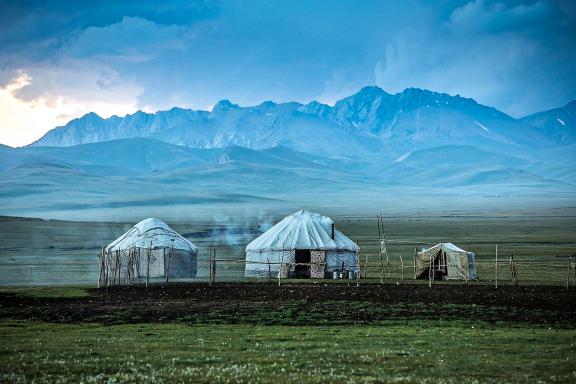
x=224 y=105
x=371 y=118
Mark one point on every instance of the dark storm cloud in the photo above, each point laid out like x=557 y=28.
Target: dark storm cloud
x=518 y=56
x=38 y=29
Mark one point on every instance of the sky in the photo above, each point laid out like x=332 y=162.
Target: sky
x=61 y=59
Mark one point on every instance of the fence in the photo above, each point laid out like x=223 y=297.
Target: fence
x=376 y=262
x=509 y=264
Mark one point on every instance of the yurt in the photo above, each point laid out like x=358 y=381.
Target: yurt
x=301 y=238
x=445 y=261
x=150 y=251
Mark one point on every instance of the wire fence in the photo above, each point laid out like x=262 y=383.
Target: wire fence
x=395 y=262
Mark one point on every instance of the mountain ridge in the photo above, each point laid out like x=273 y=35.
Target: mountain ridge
x=369 y=121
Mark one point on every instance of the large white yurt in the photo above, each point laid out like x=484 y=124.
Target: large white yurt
x=302 y=237
x=150 y=251
x=445 y=261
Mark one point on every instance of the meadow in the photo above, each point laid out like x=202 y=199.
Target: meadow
x=55 y=252
x=297 y=333
x=55 y=327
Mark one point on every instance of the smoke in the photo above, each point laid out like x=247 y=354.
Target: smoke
x=264 y=223
x=231 y=230
x=239 y=230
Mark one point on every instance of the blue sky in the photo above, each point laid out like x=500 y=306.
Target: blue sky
x=60 y=59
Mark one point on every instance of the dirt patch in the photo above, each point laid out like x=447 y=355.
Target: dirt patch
x=299 y=304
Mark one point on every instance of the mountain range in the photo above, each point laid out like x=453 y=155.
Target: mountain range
x=372 y=143
x=371 y=120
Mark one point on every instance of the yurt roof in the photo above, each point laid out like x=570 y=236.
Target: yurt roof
x=445 y=246
x=151 y=233
x=303 y=230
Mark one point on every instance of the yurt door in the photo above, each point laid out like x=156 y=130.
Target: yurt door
x=302 y=269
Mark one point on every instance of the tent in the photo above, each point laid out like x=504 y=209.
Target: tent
x=445 y=261
x=148 y=250
x=302 y=237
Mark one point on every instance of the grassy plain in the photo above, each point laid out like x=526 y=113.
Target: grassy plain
x=295 y=333
x=53 y=252
x=64 y=334
x=409 y=352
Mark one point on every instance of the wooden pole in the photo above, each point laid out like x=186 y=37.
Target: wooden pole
x=210 y=265
x=357 y=268
x=138 y=262
x=114 y=262
x=148 y=264
x=573 y=271
x=269 y=270
x=511 y=271
x=387 y=260
x=402 y=267
x=415 y=254
x=365 y=264
x=169 y=261
x=430 y=273
x=102 y=260
x=568 y=279
x=280 y=268
x=107 y=268
x=127 y=277
x=214 y=266
x=118 y=268
x=128 y=266
x=513 y=276
x=467 y=267
x=496 y=268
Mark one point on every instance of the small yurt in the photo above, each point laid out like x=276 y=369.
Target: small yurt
x=149 y=251
x=303 y=237
x=445 y=261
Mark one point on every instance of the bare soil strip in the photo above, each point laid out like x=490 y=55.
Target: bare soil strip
x=300 y=304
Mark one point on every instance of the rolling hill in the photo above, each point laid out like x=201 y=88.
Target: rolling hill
x=372 y=144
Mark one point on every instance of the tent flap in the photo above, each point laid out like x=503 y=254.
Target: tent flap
x=454 y=262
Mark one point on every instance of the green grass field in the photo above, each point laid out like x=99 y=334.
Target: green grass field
x=283 y=348
x=299 y=342
x=412 y=352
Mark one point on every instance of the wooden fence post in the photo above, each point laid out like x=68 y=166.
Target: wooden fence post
x=148 y=264
x=269 y=270
x=100 y=266
x=415 y=254
x=573 y=271
x=381 y=264
x=213 y=267
x=513 y=275
x=358 y=268
x=569 y=274
x=281 y=267
x=365 y=264
x=169 y=261
x=496 y=268
x=106 y=268
x=210 y=266
x=118 y=268
x=430 y=273
x=467 y=271
x=402 y=267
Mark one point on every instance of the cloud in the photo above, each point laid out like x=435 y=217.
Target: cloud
x=133 y=39
x=508 y=56
x=479 y=15
x=517 y=56
x=41 y=23
x=26 y=113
